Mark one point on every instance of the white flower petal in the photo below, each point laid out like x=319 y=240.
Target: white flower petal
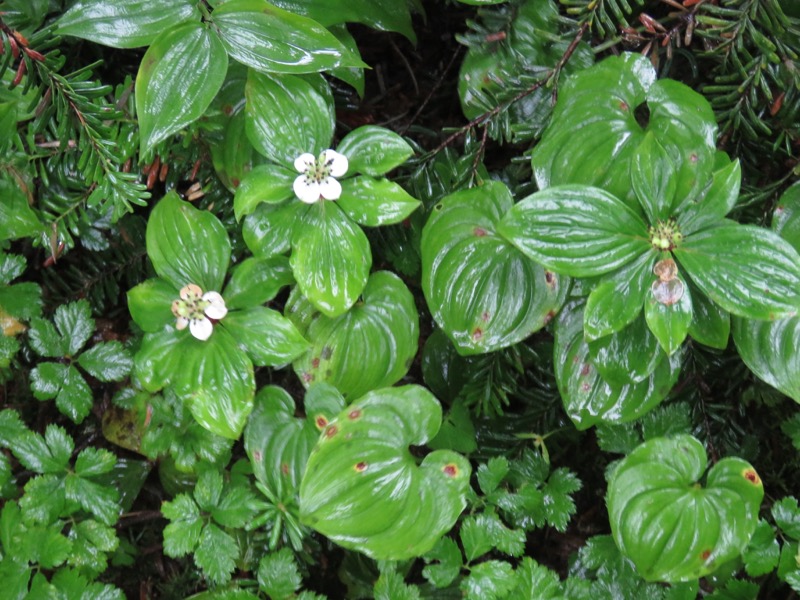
x=330 y=189
x=181 y=323
x=201 y=328
x=217 y=308
x=339 y=163
x=304 y=161
x=307 y=192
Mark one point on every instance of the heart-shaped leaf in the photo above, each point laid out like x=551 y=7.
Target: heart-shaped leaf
x=482 y=291
x=588 y=398
x=370 y=346
x=612 y=126
x=187 y=62
x=278 y=444
x=363 y=488
x=128 y=24
x=749 y=271
x=272 y=40
x=288 y=115
x=671 y=527
x=576 y=230
x=187 y=245
x=330 y=258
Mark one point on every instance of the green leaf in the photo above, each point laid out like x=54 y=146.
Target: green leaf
x=370 y=346
x=102 y=501
x=183 y=532
x=671 y=527
x=17 y=219
x=536 y=581
x=627 y=356
x=278 y=575
x=492 y=473
x=587 y=397
x=21 y=300
x=94 y=461
x=272 y=40
x=443 y=573
x=353 y=76
x=65 y=384
x=236 y=508
x=653 y=179
x=617 y=300
x=269 y=230
x=749 y=271
x=187 y=245
x=330 y=259
x=255 y=281
x=457 y=431
x=75 y=324
x=269 y=183
x=483 y=292
x=92 y=542
x=762 y=553
x=48 y=454
x=50 y=547
x=576 y=230
x=216 y=554
x=669 y=323
x=269 y=338
x=558 y=503
x=483 y=532
x=489 y=580
x=44 y=500
x=409 y=506
x=187 y=62
x=787 y=516
x=288 y=115
x=208 y=491
x=786 y=217
x=150 y=303
x=612 y=127
x=127 y=24
x=11 y=267
x=717 y=201
x=373 y=150
x=666 y=420
x=711 y=325
x=374 y=202
x=107 y=361
x=390 y=586
x=45 y=340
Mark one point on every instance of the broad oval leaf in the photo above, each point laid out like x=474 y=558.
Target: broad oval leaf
x=653 y=179
x=612 y=126
x=215 y=377
x=150 y=304
x=671 y=527
x=269 y=39
x=482 y=291
x=330 y=258
x=374 y=202
x=364 y=490
x=264 y=183
x=576 y=230
x=373 y=150
x=669 y=322
x=187 y=245
x=255 y=281
x=588 y=398
x=128 y=24
x=269 y=338
x=748 y=270
x=626 y=356
x=278 y=444
x=288 y=115
x=269 y=230
x=711 y=325
x=370 y=346
x=718 y=199
x=187 y=63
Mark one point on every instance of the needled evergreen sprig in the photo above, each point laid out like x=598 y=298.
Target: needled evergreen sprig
x=605 y=18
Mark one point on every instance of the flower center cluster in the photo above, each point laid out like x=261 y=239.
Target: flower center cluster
x=665 y=235
x=196 y=310
x=317 y=179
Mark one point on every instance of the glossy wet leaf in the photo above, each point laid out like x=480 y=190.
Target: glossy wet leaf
x=265 y=183
x=187 y=62
x=288 y=115
x=629 y=355
x=711 y=325
x=255 y=281
x=680 y=119
x=671 y=525
x=17 y=219
x=370 y=346
x=483 y=292
x=588 y=398
x=187 y=245
x=269 y=39
x=107 y=361
x=330 y=258
x=278 y=443
x=669 y=321
x=66 y=386
x=214 y=377
x=409 y=505
x=128 y=24
x=269 y=338
x=269 y=230
x=653 y=179
x=747 y=270
x=716 y=202
x=576 y=230
x=374 y=202
x=149 y=303
x=373 y=150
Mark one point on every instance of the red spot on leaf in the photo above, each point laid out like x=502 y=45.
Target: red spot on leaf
x=257 y=456
x=331 y=431
x=752 y=476
x=354 y=414
x=477 y=334
x=284 y=468
x=315 y=363
x=450 y=470
x=693 y=157
x=485 y=316
x=705 y=554
x=549 y=316
x=480 y=232
x=623 y=105
x=585 y=368
x=307 y=377
x=360 y=467
x=585 y=386
x=320 y=422
x=550 y=278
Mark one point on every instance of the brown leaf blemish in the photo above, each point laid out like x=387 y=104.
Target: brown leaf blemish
x=451 y=470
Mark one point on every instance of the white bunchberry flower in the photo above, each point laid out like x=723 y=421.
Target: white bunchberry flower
x=196 y=310
x=317 y=176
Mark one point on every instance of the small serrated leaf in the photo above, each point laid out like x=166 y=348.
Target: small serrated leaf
x=444 y=572
x=183 y=533
x=489 y=580
x=75 y=324
x=45 y=340
x=278 y=575
x=94 y=461
x=107 y=361
x=491 y=474
x=762 y=553
x=100 y=500
x=390 y=586
x=216 y=554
